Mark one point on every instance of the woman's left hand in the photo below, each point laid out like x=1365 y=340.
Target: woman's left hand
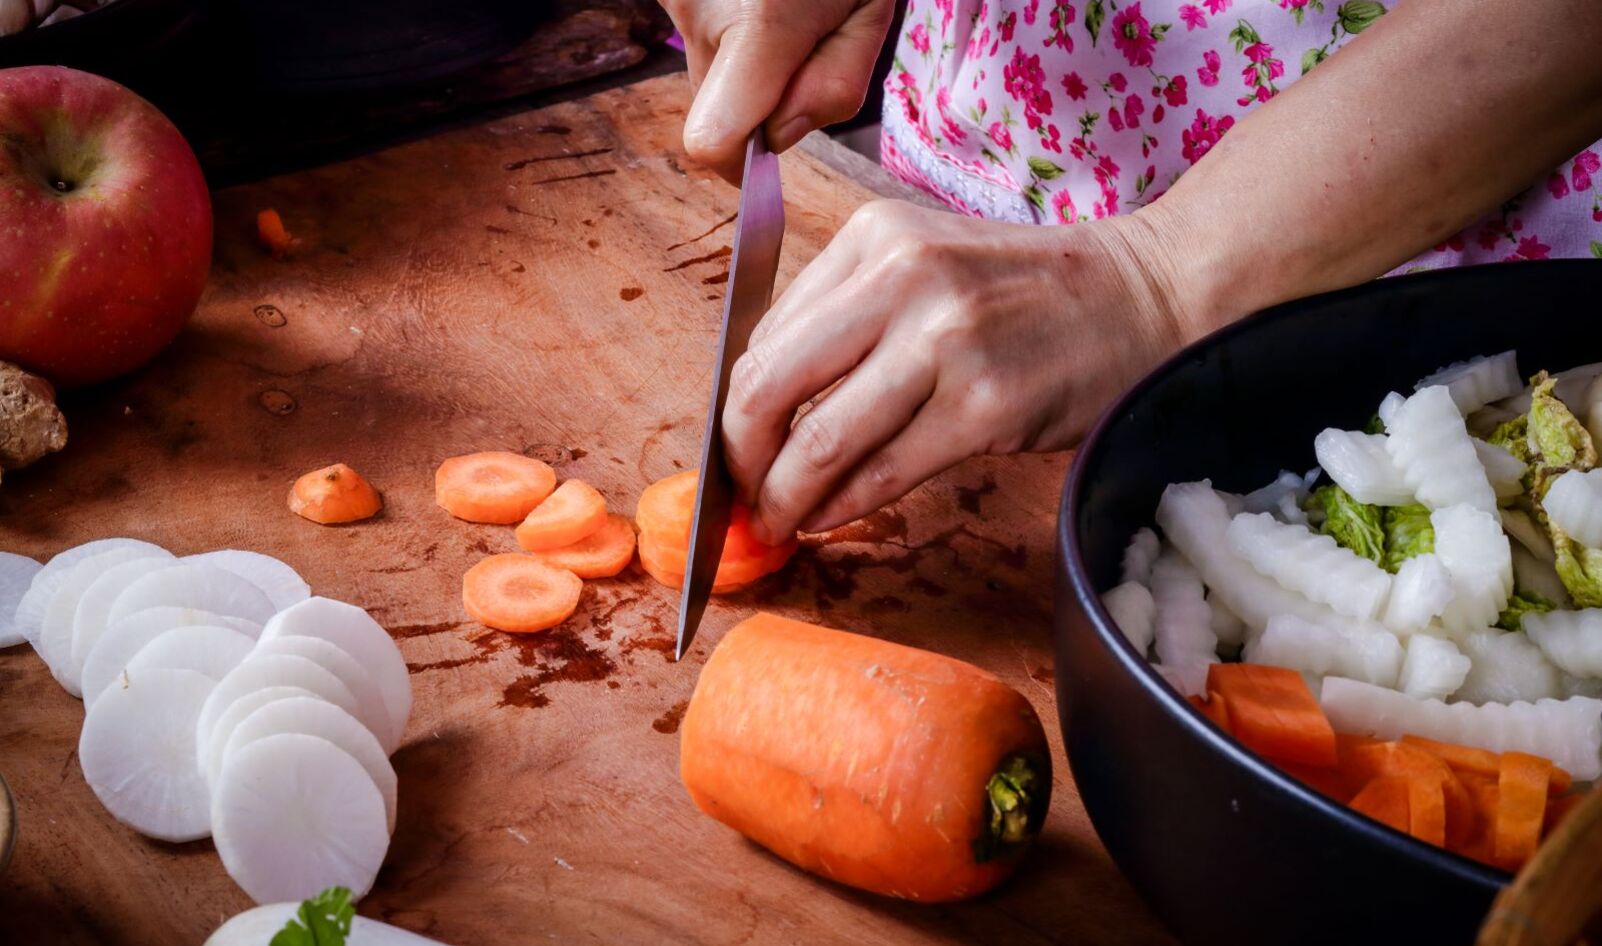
x=942 y=337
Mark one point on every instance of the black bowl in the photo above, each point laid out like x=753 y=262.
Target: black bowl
x=117 y=40
x=1225 y=848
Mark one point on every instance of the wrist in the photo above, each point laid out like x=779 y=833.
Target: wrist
x=1189 y=270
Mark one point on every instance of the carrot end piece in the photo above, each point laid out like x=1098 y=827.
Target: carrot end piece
x=334 y=495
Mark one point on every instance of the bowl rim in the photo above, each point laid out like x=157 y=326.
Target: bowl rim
x=1144 y=672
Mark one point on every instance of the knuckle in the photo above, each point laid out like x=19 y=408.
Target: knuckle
x=818 y=444
x=873 y=215
x=985 y=403
x=748 y=382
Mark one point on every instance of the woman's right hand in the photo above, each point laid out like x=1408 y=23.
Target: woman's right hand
x=792 y=66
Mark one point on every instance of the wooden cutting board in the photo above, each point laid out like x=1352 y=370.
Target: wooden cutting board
x=550 y=283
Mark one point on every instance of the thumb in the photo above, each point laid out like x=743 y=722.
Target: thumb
x=753 y=64
x=831 y=85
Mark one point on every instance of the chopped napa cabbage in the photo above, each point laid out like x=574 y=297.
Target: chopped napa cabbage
x=1407 y=533
x=1557 y=439
x=1513 y=436
x=1580 y=568
x=1520 y=604
x=1353 y=525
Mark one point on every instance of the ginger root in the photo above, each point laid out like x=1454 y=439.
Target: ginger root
x=31 y=426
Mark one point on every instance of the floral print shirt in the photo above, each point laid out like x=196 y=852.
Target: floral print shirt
x=1057 y=111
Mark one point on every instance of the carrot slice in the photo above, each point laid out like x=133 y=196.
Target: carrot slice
x=1213 y=707
x=1272 y=711
x=1386 y=800
x=667 y=506
x=666 y=565
x=1327 y=782
x=1460 y=758
x=1362 y=763
x=274 y=238
x=1521 y=807
x=1560 y=782
x=1426 y=810
x=575 y=511
x=333 y=495
x=876 y=765
x=494 y=486
x=512 y=592
x=602 y=554
x=1480 y=842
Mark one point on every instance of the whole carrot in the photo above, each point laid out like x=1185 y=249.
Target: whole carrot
x=879 y=766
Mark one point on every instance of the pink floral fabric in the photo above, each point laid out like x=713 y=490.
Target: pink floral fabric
x=1058 y=111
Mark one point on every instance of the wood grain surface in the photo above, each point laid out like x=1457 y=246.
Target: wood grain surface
x=549 y=283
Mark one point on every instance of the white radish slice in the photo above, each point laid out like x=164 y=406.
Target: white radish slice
x=122 y=640
x=1420 y=590
x=1506 y=667
x=293 y=815
x=29 y=617
x=258 y=673
x=203 y=648
x=1183 y=626
x=1435 y=453
x=355 y=632
x=137 y=750
x=1360 y=464
x=94 y=606
x=282 y=584
x=1574 y=504
x=16 y=574
x=315 y=717
x=1311 y=564
x=1388 y=407
x=370 y=708
x=211 y=755
x=1571 y=388
x=1134 y=612
x=1502 y=468
x=1478 y=381
x=257 y=926
x=1570 y=639
x=1530 y=574
x=55 y=635
x=1519 y=525
x=191 y=585
x=1140 y=555
x=1362 y=652
x=1433 y=669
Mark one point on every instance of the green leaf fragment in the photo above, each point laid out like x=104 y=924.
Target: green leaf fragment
x=1408 y=533
x=1520 y=604
x=1375 y=425
x=1353 y=525
x=1514 y=437
x=324 y=920
x=1580 y=569
x=1557 y=439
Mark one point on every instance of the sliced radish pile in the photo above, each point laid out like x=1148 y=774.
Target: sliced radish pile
x=282 y=585
x=16 y=574
x=316 y=717
x=124 y=639
x=258 y=925
x=355 y=632
x=221 y=697
x=137 y=750
x=203 y=648
x=293 y=815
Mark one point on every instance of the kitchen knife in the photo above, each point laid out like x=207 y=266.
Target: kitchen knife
x=757 y=235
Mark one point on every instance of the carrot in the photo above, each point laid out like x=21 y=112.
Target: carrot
x=1272 y=711
x=1426 y=810
x=574 y=511
x=1362 y=763
x=1521 y=807
x=518 y=593
x=1327 y=782
x=334 y=494
x=666 y=565
x=1386 y=800
x=1560 y=782
x=1214 y=708
x=270 y=231
x=494 y=486
x=602 y=554
x=1480 y=843
x=667 y=506
x=876 y=765
x=1460 y=758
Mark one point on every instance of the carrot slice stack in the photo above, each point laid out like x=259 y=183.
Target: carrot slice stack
x=494 y=486
x=573 y=512
x=602 y=554
x=664 y=514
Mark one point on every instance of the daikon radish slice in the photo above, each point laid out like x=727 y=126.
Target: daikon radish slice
x=137 y=750
x=1503 y=469
x=370 y=708
x=1190 y=679
x=203 y=648
x=1183 y=624
x=1311 y=564
x=1360 y=464
x=1281 y=498
x=1435 y=453
x=1472 y=546
x=90 y=620
x=315 y=717
x=1140 y=555
x=1532 y=574
x=355 y=632
x=1368 y=653
x=1227 y=625
x=258 y=673
x=29 y=617
x=1195 y=518
x=1420 y=590
x=1569 y=732
x=293 y=815
x=282 y=584
x=16 y=574
x=1433 y=669
x=1574 y=504
x=1131 y=607
x=1570 y=639
x=194 y=585
x=55 y=634
x=211 y=754
x=1507 y=667
x=1518 y=524
x=1571 y=388
x=122 y=640
x=257 y=927
x=1478 y=381
x=1388 y=407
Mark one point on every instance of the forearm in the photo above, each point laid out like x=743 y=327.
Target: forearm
x=1438 y=112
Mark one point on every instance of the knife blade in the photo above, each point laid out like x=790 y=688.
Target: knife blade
x=758 y=234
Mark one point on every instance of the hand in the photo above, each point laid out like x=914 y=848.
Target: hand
x=938 y=337
x=791 y=66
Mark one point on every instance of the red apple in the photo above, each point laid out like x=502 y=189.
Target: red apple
x=105 y=226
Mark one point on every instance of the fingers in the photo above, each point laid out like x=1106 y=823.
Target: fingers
x=869 y=408
x=830 y=86
x=755 y=59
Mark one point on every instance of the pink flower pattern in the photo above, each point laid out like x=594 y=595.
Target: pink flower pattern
x=1074 y=110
